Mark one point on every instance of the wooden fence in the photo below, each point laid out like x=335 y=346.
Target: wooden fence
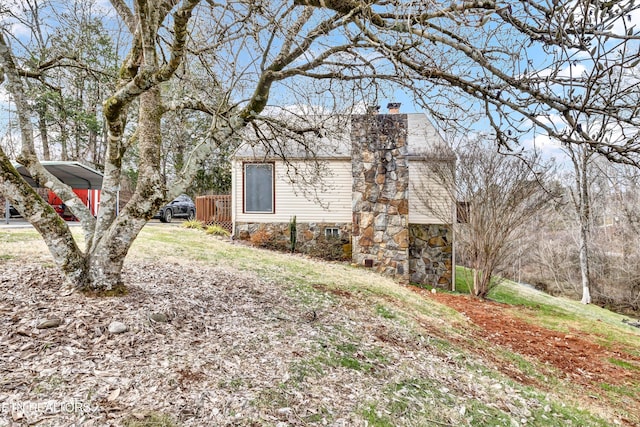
x=214 y=210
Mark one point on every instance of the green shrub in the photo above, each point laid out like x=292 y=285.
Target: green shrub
x=216 y=230
x=192 y=223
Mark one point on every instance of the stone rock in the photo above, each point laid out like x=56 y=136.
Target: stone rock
x=403 y=207
x=370 y=175
x=381 y=207
x=402 y=239
x=158 y=317
x=49 y=323
x=366 y=219
x=437 y=242
x=117 y=327
x=380 y=223
x=444 y=281
x=366 y=236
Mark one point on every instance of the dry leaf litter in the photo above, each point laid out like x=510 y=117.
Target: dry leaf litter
x=210 y=346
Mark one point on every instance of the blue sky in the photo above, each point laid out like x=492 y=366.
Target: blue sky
x=540 y=141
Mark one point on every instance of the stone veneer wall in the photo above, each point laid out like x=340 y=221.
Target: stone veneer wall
x=310 y=236
x=431 y=254
x=380 y=193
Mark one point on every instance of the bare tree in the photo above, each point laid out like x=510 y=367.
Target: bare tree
x=581 y=160
x=609 y=215
x=497 y=196
x=605 y=205
x=263 y=56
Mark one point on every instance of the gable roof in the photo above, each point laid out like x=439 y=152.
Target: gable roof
x=424 y=140
x=330 y=139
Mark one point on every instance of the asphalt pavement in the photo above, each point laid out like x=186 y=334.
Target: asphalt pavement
x=22 y=223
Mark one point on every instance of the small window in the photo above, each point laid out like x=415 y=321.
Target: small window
x=331 y=232
x=258 y=187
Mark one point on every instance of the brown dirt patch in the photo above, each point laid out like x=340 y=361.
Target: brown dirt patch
x=583 y=361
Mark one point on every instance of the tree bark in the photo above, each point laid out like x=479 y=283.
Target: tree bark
x=584 y=265
x=106 y=259
x=64 y=140
x=44 y=133
x=582 y=202
x=476 y=282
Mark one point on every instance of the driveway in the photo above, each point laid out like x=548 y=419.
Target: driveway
x=22 y=223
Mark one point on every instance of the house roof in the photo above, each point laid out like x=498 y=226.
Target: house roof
x=331 y=140
x=327 y=137
x=423 y=139
x=74 y=174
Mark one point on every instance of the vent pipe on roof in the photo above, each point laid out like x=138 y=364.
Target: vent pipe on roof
x=394 y=107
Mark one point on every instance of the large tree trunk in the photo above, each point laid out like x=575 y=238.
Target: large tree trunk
x=584 y=219
x=106 y=259
x=476 y=282
x=115 y=235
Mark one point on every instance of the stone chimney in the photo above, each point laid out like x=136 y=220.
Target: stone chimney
x=373 y=109
x=380 y=170
x=393 y=107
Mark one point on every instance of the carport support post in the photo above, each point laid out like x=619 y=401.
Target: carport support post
x=7 y=214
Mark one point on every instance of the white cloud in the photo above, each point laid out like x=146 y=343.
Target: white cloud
x=553 y=120
x=625 y=22
x=569 y=71
x=573 y=71
x=544 y=143
x=20 y=30
x=546 y=146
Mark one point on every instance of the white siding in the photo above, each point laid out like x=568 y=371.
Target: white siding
x=430 y=202
x=329 y=200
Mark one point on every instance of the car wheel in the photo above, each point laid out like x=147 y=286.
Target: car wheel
x=168 y=215
x=191 y=215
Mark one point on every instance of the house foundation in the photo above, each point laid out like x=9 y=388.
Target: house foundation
x=431 y=254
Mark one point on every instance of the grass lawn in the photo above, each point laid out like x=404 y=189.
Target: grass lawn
x=262 y=338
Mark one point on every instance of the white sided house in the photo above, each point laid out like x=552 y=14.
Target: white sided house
x=361 y=189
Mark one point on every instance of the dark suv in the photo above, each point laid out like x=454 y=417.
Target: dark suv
x=181 y=207
x=13 y=212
